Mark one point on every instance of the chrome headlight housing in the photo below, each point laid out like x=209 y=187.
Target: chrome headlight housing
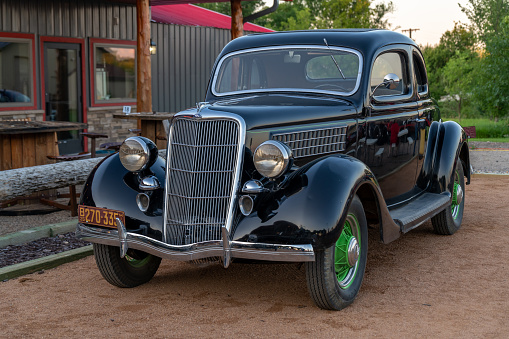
x=137 y=153
x=272 y=158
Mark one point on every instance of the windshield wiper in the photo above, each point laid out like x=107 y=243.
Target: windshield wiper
x=334 y=59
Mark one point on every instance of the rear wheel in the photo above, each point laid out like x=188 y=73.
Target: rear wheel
x=134 y=269
x=449 y=220
x=335 y=277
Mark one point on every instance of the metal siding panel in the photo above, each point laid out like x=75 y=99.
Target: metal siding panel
x=66 y=20
x=34 y=17
x=15 y=16
x=129 y=18
x=24 y=16
x=57 y=18
x=102 y=20
x=187 y=77
x=41 y=22
x=50 y=14
x=73 y=18
x=178 y=83
x=160 y=69
x=192 y=66
x=89 y=25
x=123 y=22
x=171 y=68
x=110 y=21
x=95 y=22
x=81 y=19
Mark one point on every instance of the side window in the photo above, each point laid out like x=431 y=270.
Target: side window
x=420 y=74
x=386 y=63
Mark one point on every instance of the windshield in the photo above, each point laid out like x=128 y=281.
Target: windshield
x=290 y=68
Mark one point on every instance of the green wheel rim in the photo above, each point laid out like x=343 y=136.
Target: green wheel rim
x=455 y=206
x=137 y=263
x=345 y=270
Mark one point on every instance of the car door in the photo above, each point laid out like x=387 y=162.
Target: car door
x=388 y=134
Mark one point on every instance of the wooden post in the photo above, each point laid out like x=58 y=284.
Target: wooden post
x=237 y=19
x=144 y=82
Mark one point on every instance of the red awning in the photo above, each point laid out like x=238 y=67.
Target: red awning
x=191 y=15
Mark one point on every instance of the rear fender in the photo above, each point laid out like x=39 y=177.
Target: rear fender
x=446 y=143
x=312 y=206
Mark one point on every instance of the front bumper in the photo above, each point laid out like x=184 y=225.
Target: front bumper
x=237 y=249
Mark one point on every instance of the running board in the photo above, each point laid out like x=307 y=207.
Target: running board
x=417 y=211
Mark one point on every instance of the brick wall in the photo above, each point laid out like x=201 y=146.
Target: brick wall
x=36 y=115
x=101 y=120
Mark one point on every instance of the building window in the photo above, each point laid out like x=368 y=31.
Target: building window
x=16 y=73
x=114 y=73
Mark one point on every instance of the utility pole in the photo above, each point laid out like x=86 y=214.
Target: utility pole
x=410 y=30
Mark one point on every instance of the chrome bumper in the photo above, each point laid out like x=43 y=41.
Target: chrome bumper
x=238 y=249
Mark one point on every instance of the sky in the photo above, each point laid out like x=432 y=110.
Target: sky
x=431 y=17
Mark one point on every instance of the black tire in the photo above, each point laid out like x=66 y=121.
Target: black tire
x=323 y=275
x=134 y=269
x=449 y=220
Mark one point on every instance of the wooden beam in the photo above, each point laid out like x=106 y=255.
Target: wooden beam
x=144 y=77
x=237 y=19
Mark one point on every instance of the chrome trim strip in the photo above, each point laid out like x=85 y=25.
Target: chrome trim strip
x=237 y=249
x=298 y=90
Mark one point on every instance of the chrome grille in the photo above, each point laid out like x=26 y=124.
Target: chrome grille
x=314 y=142
x=202 y=170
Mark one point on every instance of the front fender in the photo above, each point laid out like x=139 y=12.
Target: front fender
x=110 y=185
x=311 y=208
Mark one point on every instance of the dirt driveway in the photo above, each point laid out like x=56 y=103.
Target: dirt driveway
x=422 y=285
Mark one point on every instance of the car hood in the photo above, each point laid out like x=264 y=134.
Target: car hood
x=281 y=110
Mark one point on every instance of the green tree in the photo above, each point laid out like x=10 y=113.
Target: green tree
x=486 y=16
x=492 y=90
x=458 y=77
x=459 y=40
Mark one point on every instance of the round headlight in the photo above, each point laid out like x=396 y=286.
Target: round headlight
x=272 y=158
x=135 y=153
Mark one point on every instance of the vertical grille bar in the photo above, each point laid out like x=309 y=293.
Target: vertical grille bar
x=201 y=175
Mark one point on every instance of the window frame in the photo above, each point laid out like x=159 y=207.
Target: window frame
x=93 y=43
x=407 y=71
x=32 y=105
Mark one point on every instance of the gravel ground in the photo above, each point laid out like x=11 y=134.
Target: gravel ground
x=486 y=157
x=422 y=285
x=14 y=254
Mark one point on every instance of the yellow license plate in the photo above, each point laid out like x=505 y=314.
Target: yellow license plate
x=99 y=216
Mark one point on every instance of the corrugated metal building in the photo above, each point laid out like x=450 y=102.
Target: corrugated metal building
x=74 y=60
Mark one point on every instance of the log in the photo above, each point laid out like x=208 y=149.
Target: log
x=237 y=19
x=24 y=181
x=143 y=62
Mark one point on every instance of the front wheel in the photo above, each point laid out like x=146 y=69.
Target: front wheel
x=335 y=277
x=134 y=269
x=449 y=220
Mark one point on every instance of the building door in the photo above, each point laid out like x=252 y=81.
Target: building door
x=63 y=93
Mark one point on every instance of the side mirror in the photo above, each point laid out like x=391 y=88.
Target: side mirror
x=391 y=81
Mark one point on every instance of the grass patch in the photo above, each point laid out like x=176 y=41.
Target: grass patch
x=488 y=130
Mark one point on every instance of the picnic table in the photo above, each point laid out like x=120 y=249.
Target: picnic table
x=28 y=143
x=151 y=125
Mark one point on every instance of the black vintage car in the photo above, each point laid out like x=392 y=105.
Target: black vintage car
x=304 y=140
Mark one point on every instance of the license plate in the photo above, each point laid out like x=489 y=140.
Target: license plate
x=99 y=216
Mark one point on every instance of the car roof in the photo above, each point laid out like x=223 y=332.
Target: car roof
x=364 y=40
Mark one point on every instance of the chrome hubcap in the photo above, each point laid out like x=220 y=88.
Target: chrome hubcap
x=353 y=252
x=459 y=195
